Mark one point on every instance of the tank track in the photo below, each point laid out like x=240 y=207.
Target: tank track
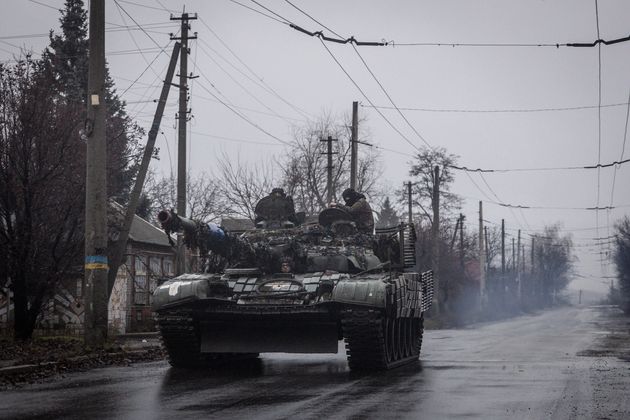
x=377 y=341
x=180 y=335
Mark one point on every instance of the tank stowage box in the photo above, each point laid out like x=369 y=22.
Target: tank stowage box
x=290 y=286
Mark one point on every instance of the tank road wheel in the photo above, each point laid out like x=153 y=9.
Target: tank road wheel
x=375 y=340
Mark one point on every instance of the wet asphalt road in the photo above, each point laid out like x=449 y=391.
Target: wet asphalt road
x=524 y=368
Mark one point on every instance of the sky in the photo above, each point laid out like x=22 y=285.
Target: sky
x=466 y=75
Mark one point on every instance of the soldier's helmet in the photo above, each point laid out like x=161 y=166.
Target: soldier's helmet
x=350 y=196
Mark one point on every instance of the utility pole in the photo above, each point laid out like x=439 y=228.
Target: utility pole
x=181 y=134
x=354 y=147
x=435 y=238
x=329 y=179
x=482 y=258
x=409 y=202
x=518 y=252
x=121 y=244
x=533 y=255
x=96 y=265
x=461 y=242
x=513 y=255
x=503 y=261
x=502 y=247
x=485 y=235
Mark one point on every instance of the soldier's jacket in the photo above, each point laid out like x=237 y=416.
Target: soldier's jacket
x=362 y=214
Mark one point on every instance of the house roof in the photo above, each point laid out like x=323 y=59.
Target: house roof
x=141 y=230
x=145 y=232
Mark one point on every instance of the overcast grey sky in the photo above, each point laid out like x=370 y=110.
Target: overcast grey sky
x=424 y=80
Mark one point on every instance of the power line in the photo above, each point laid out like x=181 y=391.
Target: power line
x=272 y=12
x=139 y=26
x=515 y=110
x=258 y=11
x=243 y=117
x=559 y=168
x=260 y=79
x=597 y=42
x=366 y=97
x=390 y=99
x=623 y=150
x=313 y=19
x=247 y=91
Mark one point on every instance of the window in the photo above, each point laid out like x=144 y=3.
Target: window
x=168 y=266
x=140 y=289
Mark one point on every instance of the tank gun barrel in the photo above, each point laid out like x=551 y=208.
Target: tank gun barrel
x=172 y=222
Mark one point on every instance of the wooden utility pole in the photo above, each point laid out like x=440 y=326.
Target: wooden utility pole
x=435 y=238
x=121 y=244
x=329 y=178
x=96 y=264
x=482 y=258
x=182 y=117
x=410 y=202
x=354 y=147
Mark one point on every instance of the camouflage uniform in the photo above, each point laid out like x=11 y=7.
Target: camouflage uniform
x=362 y=214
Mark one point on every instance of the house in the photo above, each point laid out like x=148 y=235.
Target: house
x=149 y=258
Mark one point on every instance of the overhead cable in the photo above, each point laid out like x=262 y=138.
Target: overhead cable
x=560 y=168
x=507 y=110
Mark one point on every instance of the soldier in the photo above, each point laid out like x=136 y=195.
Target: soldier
x=277 y=207
x=359 y=209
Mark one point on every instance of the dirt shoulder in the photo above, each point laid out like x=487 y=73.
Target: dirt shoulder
x=49 y=358
x=610 y=370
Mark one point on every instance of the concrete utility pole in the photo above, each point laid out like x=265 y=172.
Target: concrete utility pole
x=329 y=178
x=518 y=252
x=120 y=246
x=181 y=134
x=485 y=235
x=410 y=202
x=96 y=266
x=482 y=258
x=461 y=241
x=503 y=261
x=513 y=255
x=354 y=147
x=502 y=247
x=435 y=238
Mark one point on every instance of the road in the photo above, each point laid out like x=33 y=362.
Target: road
x=530 y=367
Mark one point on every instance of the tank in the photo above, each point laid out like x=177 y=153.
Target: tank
x=295 y=287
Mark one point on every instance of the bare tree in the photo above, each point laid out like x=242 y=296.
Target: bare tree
x=204 y=196
x=622 y=261
x=41 y=189
x=422 y=168
x=242 y=186
x=305 y=170
x=554 y=262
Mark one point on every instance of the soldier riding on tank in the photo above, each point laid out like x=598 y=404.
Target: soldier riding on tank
x=358 y=207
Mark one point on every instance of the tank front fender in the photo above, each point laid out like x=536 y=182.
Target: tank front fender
x=370 y=292
x=177 y=290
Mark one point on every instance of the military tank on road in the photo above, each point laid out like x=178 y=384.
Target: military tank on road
x=290 y=286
